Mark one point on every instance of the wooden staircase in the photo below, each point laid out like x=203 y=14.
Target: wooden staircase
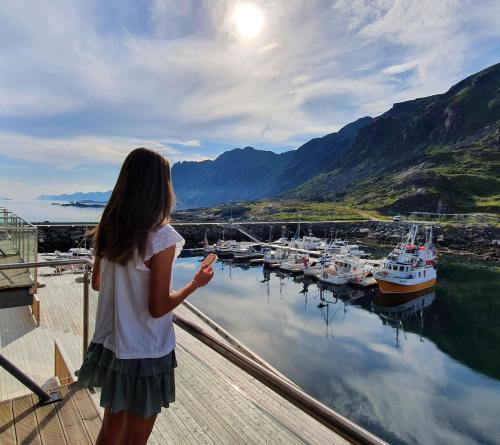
x=73 y=420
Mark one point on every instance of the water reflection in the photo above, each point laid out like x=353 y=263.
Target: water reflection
x=396 y=309
x=363 y=354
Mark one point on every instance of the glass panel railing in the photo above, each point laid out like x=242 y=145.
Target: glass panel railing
x=18 y=240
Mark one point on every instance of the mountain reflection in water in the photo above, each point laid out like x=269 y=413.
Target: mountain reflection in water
x=422 y=369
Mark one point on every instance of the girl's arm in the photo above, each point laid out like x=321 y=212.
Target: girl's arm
x=161 y=300
x=96 y=277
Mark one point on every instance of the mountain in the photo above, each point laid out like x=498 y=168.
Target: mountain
x=247 y=173
x=434 y=153
x=439 y=152
x=80 y=196
x=239 y=174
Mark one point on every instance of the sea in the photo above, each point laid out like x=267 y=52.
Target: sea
x=424 y=369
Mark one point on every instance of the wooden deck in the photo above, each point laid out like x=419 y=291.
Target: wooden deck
x=73 y=420
x=217 y=402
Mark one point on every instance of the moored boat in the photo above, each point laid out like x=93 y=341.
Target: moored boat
x=409 y=267
x=294 y=263
x=273 y=258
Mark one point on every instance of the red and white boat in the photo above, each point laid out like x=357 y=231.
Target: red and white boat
x=409 y=267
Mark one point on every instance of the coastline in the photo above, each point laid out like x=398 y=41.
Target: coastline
x=475 y=240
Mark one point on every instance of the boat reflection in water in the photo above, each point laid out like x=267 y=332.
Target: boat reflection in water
x=397 y=309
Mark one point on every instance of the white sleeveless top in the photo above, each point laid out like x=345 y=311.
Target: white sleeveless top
x=123 y=322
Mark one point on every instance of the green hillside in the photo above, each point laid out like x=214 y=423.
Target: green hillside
x=436 y=153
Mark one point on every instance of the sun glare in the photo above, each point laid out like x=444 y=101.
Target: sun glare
x=248 y=20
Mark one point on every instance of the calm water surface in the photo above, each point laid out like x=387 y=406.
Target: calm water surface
x=423 y=371
x=33 y=210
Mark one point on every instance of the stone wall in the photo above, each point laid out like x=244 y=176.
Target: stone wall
x=481 y=240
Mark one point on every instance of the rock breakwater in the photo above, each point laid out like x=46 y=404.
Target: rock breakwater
x=463 y=239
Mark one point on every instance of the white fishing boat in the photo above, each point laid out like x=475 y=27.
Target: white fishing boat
x=343 y=248
x=273 y=258
x=294 y=263
x=226 y=248
x=314 y=267
x=333 y=275
x=354 y=250
x=345 y=270
x=253 y=252
x=409 y=267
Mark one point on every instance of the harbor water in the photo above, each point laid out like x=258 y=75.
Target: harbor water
x=35 y=210
x=419 y=370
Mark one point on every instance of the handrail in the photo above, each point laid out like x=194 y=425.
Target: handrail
x=44 y=397
x=6 y=212
x=328 y=417
x=86 y=281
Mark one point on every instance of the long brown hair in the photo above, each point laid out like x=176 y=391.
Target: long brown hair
x=141 y=201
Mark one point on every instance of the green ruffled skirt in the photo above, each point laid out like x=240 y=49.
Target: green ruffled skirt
x=142 y=386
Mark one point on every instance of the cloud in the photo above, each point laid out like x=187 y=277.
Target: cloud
x=269 y=47
x=73 y=152
x=401 y=68
x=177 y=74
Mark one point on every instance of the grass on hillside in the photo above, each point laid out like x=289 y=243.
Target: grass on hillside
x=270 y=210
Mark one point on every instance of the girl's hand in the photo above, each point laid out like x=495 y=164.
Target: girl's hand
x=203 y=276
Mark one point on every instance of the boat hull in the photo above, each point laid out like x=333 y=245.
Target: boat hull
x=388 y=287
x=335 y=280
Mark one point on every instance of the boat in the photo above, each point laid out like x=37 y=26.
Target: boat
x=334 y=274
x=207 y=248
x=273 y=258
x=307 y=242
x=365 y=278
x=409 y=267
x=314 y=267
x=247 y=254
x=344 y=270
x=294 y=263
x=342 y=247
x=283 y=241
x=226 y=248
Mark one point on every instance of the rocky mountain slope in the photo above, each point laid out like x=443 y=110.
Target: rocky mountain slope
x=435 y=153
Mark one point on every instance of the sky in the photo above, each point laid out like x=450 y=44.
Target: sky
x=84 y=82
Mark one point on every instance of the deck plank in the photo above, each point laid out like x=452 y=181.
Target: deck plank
x=7 y=429
x=49 y=425
x=87 y=411
x=25 y=421
x=72 y=424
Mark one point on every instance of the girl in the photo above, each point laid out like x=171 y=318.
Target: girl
x=132 y=353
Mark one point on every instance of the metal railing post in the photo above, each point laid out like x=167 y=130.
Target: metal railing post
x=86 y=282
x=35 y=269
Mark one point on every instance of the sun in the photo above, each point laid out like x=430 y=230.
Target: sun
x=248 y=19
